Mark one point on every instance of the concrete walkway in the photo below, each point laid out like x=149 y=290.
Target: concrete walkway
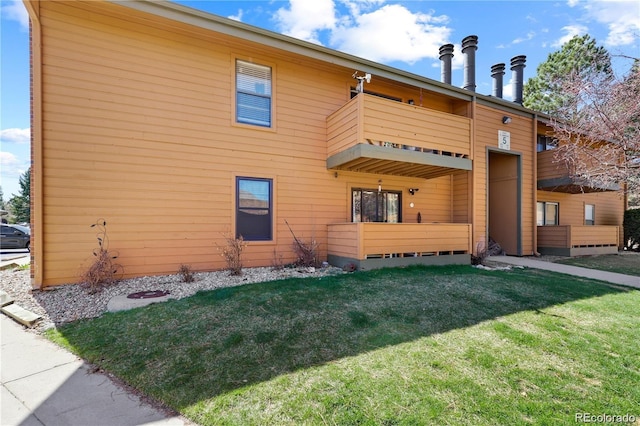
x=611 y=277
x=43 y=384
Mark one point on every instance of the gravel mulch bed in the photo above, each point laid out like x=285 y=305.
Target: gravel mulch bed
x=67 y=303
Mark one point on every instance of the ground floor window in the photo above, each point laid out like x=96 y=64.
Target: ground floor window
x=370 y=205
x=548 y=213
x=589 y=214
x=254 y=209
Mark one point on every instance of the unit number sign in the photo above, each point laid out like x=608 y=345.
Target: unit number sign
x=504 y=140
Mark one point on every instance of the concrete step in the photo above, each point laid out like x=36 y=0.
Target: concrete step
x=20 y=314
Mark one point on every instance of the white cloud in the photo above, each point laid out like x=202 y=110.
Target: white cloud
x=7 y=159
x=15 y=135
x=530 y=35
x=391 y=33
x=238 y=16
x=357 y=6
x=367 y=28
x=11 y=165
x=303 y=19
x=14 y=10
x=621 y=17
x=570 y=32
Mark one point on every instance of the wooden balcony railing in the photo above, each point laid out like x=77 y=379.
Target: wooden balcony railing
x=578 y=236
x=386 y=132
x=370 y=240
x=559 y=176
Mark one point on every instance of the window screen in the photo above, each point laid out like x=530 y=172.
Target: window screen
x=589 y=214
x=253 y=94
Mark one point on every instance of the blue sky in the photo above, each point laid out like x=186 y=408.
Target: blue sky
x=402 y=34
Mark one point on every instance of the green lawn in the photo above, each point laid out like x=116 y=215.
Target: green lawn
x=624 y=263
x=441 y=345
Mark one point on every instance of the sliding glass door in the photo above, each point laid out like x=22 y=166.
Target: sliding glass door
x=369 y=205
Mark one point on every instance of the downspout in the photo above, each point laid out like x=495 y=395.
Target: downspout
x=473 y=180
x=534 y=211
x=36 y=198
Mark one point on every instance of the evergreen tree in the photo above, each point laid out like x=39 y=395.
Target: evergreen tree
x=578 y=58
x=21 y=204
x=3 y=206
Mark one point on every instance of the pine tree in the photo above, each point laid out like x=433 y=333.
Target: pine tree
x=578 y=58
x=21 y=204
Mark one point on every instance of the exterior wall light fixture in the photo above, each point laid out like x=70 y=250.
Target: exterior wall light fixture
x=506 y=119
x=412 y=191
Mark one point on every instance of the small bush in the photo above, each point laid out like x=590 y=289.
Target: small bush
x=631 y=225
x=232 y=254
x=186 y=274
x=104 y=271
x=306 y=251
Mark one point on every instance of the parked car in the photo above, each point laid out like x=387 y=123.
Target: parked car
x=15 y=237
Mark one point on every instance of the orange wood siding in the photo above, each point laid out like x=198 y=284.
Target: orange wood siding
x=138 y=130
x=361 y=240
x=609 y=207
x=370 y=118
x=548 y=168
x=487 y=123
x=570 y=236
x=461 y=203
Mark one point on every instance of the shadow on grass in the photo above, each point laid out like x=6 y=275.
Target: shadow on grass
x=186 y=351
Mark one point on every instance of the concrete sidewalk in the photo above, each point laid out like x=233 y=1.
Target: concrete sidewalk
x=611 y=277
x=14 y=260
x=43 y=384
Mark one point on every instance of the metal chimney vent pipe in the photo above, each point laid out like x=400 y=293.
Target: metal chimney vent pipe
x=469 y=47
x=517 y=75
x=497 y=71
x=446 y=54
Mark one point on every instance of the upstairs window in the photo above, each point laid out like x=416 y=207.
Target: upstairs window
x=589 y=214
x=253 y=94
x=545 y=143
x=548 y=214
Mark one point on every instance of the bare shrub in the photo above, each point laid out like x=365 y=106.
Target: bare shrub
x=104 y=271
x=186 y=274
x=306 y=251
x=232 y=253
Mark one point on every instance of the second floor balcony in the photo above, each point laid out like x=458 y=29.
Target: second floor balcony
x=371 y=134
x=554 y=175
